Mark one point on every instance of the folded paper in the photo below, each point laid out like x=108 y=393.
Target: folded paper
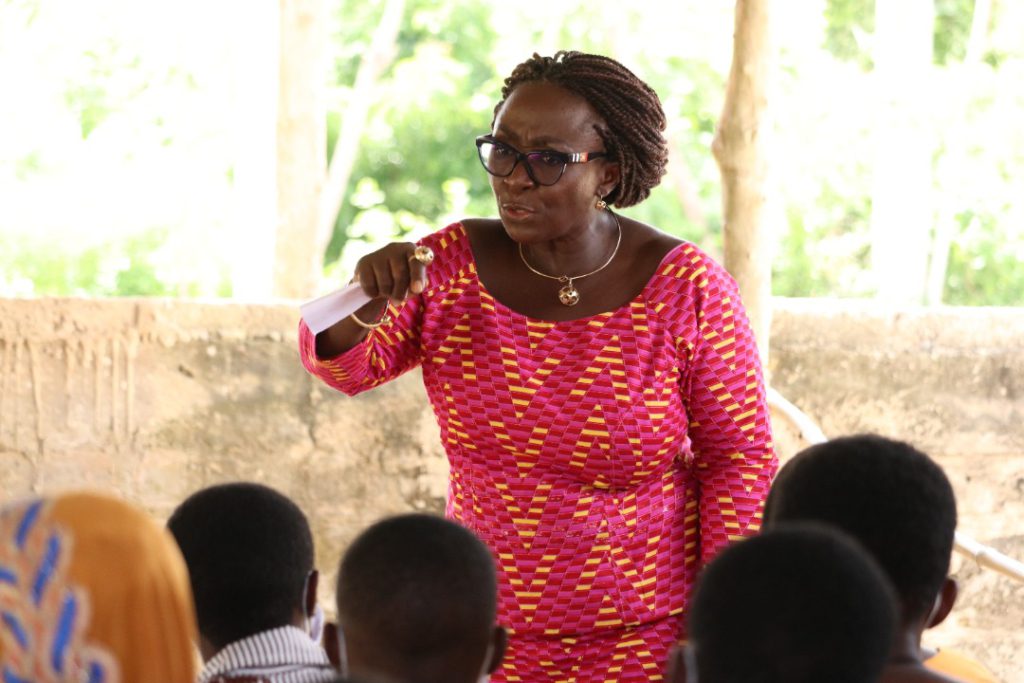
x=325 y=311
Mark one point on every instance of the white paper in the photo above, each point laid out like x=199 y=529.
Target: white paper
x=321 y=313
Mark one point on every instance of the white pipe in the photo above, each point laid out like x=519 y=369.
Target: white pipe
x=989 y=557
x=809 y=429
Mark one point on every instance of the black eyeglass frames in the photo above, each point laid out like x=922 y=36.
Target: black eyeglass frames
x=544 y=167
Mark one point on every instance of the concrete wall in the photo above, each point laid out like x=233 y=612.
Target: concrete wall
x=155 y=399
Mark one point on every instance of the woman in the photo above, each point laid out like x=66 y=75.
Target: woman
x=595 y=380
x=92 y=591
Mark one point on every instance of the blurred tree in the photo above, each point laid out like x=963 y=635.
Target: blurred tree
x=953 y=21
x=301 y=158
x=373 y=62
x=742 y=148
x=848 y=30
x=428 y=106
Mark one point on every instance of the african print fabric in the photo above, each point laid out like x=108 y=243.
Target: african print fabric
x=604 y=459
x=45 y=617
x=92 y=590
x=629 y=655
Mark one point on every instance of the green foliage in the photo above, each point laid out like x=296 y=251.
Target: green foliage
x=418 y=143
x=848 y=24
x=440 y=94
x=691 y=92
x=433 y=102
x=103 y=88
x=824 y=255
x=952 y=29
x=37 y=267
x=984 y=266
x=351 y=40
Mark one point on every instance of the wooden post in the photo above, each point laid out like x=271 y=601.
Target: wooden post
x=741 y=150
x=301 y=146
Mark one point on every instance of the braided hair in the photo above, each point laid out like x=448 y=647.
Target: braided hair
x=634 y=119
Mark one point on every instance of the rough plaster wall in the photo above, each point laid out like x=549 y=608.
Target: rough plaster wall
x=951 y=381
x=156 y=399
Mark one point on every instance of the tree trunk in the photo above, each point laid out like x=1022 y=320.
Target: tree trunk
x=741 y=150
x=901 y=213
x=381 y=53
x=301 y=157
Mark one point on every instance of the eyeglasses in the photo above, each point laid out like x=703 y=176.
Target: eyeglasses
x=544 y=167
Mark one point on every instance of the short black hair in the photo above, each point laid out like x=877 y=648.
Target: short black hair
x=888 y=495
x=419 y=583
x=800 y=604
x=249 y=553
x=634 y=137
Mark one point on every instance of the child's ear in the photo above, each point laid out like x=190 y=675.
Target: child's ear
x=944 y=602
x=331 y=645
x=312 y=582
x=499 y=640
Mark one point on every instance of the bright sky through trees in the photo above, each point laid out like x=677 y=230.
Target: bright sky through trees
x=136 y=136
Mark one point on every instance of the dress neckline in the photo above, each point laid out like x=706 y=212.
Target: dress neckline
x=500 y=305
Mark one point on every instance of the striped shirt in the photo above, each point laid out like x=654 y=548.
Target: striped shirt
x=281 y=655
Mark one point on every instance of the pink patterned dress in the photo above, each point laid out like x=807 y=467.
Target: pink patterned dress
x=603 y=460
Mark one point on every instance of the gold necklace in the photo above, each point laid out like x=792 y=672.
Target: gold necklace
x=568 y=294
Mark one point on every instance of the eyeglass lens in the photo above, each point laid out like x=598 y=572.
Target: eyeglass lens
x=500 y=160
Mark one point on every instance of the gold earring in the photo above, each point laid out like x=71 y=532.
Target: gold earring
x=601 y=204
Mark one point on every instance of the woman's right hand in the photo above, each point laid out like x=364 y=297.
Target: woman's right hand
x=391 y=272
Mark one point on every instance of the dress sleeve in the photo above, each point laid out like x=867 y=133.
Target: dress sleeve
x=393 y=349
x=730 y=428
x=386 y=352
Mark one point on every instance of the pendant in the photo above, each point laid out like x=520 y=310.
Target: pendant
x=569 y=295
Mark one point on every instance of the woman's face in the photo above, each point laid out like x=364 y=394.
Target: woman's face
x=541 y=116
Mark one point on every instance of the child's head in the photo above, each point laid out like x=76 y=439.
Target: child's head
x=799 y=604
x=249 y=551
x=417 y=600
x=887 y=495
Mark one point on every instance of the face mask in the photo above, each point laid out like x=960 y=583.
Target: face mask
x=690 y=657
x=485 y=675
x=342 y=653
x=315 y=625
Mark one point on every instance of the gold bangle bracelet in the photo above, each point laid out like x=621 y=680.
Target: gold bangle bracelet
x=384 y=320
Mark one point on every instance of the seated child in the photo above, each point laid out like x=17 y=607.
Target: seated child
x=800 y=604
x=417 y=602
x=249 y=552
x=899 y=505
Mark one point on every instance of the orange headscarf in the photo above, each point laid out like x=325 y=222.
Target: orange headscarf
x=92 y=590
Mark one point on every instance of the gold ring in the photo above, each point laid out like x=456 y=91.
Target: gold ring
x=424 y=255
